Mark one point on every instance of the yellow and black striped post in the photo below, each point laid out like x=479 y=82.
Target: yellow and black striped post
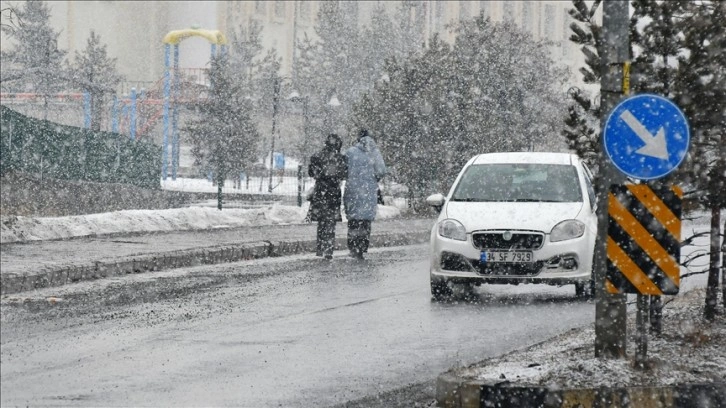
x=643 y=242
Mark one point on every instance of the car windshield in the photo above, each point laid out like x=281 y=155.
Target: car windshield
x=519 y=182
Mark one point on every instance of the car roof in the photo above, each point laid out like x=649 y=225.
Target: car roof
x=525 y=157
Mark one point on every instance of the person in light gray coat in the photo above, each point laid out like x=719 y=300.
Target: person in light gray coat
x=365 y=169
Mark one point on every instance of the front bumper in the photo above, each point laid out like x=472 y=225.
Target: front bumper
x=555 y=263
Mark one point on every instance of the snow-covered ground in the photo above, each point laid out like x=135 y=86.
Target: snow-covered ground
x=690 y=350
x=19 y=229
x=284 y=186
x=203 y=215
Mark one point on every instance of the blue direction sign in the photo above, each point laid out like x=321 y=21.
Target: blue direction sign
x=646 y=136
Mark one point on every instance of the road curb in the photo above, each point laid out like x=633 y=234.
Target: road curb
x=15 y=283
x=453 y=391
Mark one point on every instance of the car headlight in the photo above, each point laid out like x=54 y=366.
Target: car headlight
x=452 y=229
x=565 y=230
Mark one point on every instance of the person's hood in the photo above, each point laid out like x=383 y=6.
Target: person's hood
x=333 y=143
x=366 y=143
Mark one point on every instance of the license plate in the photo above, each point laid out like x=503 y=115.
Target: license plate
x=506 y=256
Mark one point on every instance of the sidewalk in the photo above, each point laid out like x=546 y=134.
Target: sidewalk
x=37 y=264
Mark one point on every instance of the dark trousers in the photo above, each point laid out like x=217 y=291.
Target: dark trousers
x=359 y=236
x=326 y=237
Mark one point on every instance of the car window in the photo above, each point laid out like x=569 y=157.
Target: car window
x=519 y=182
x=590 y=188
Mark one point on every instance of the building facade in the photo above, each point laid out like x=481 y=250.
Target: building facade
x=133 y=31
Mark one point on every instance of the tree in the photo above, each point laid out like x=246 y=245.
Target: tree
x=224 y=137
x=439 y=108
x=582 y=123
x=409 y=117
x=9 y=19
x=348 y=59
x=699 y=87
x=94 y=72
x=35 y=63
x=245 y=47
x=677 y=49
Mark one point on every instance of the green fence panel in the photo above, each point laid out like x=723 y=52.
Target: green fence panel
x=67 y=152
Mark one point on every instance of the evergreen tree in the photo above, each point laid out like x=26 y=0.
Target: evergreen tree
x=224 y=137
x=347 y=60
x=700 y=90
x=655 y=46
x=245 y=48
x=35 y=63
x=441 y=107
x=268 y=89
x=9 y=19
x=408 y=35
x=582 y=123
x=95 y=72
x=678 y=53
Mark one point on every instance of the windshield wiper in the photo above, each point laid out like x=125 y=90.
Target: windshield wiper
x=464 y=199
x=534 y=200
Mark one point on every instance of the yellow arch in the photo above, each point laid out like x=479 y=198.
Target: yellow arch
x=213 y=36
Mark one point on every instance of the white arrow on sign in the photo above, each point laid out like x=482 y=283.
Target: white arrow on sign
x=655 y=146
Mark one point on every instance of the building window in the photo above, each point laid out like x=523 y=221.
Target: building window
x=464 y=9
x=350 y=10
x=260 y=7
x=508 y=12
x=304 y=9
x=440 y=18
x=484 y=8
x=527 y=16
x=279 y=9
x=549 y=22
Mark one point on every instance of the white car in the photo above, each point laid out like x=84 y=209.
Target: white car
x=510 y=218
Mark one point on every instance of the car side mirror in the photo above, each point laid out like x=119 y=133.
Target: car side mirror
x=437 y=201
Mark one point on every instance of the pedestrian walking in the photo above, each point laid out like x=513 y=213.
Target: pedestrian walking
x=329 y=168
x=365 y=169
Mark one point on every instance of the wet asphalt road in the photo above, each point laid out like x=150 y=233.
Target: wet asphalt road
x=296 y=331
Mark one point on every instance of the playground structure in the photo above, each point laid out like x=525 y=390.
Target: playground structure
x=137 y=113
x=173 y=38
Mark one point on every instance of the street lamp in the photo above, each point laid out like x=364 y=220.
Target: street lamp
x=275 y=97
x=332 y=104
x=295 y=97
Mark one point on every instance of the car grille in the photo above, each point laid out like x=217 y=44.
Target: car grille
x=519 y=240
x=508 y=269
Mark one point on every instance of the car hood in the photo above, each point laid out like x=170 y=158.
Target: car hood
x=511 y=215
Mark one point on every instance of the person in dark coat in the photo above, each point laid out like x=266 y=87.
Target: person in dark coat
x=365 y=169
x=328 y=167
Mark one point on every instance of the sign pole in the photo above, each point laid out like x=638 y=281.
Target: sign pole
x=642 y=335
x=656 y=314
x=610 y=309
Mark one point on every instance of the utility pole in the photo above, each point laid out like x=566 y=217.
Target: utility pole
x=275 y=99
x=610 y=309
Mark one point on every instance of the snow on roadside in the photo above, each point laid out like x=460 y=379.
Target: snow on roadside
x=689 y=351
x=22 y=229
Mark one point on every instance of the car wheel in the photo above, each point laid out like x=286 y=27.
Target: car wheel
x=585 y=290
x=440 y=290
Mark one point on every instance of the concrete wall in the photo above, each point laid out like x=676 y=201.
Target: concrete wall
x=28 y=195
